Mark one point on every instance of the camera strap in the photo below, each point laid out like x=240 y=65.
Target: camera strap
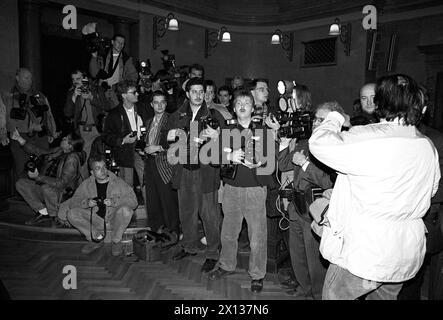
x=111 y=66
x=104 y=228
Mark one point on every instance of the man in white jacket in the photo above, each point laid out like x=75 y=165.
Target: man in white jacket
x=387 y=174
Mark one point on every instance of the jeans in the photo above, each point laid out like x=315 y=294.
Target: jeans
x=250 y=204
x=119 y=220
x=39 y=196
x=193 y=202
x=340 y=284
x=308 y=265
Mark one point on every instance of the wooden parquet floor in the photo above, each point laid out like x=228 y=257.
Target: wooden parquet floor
x=34 y=270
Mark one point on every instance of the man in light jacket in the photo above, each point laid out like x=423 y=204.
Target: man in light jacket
x=387 y=174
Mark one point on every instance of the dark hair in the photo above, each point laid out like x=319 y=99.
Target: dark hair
x=243 y=93
x=123 y=86
x=96 y=158
x=157 y=93
x=76 y=141
x=254 y=82
x=193 y=82
x=118 y=35
x=199 y=67
x=160 y=74
x=303 y=96
x=210 y=83
x=75 y=71
x=399 y=96
x=225 y=88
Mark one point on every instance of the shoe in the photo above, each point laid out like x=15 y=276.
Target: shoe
x=60 y=224
x=209 y=265
x=219 y=273
x=117 y=249
x=182 y=254
x=37 y=219
x=92 y=246
x=256 y=286
x=290 y=283
x=203 y=241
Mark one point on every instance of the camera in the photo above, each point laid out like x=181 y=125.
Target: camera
x=296 y=124
x=85 y=87
x=93 y=41
x=101 y=206
x=20 y=112
x=111 y=164
x=39 y=106
x=133 y=134
x=33 y=163
x=209 y=121
x=145 y=75
x=141 y=143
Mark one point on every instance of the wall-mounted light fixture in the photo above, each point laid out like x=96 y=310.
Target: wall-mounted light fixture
x=213 y=37
x=160 y=25
x=286 y=40
x=344 y=31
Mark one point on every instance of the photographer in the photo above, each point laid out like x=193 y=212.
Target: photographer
x=244 y=196
x=308 y=174
x=113 y=67
x=197 y=183
x=29 y=111
x=122 y=130
x=60 y=173
x=84 y=104
x=102 y=198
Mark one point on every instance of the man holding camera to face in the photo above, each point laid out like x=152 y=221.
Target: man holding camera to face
x=84 y=103
x=29 y=111
x=102 y=198
x=122 y=130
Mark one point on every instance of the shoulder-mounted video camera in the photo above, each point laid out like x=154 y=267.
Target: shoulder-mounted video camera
x=93 y=41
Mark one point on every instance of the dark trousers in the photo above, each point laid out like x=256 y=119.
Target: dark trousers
x=193 y=202
x=39 y=196
x=309 y=267
x=162 y=201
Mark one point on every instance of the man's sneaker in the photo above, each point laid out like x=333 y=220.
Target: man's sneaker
x=92 y=246
x=257 y=286
x=203 y=241
x=117 y=249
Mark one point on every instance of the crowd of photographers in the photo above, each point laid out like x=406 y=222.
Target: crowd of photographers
x=335 y=185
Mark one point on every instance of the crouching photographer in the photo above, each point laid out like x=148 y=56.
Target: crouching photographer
x=60 y=174
x=102 y=198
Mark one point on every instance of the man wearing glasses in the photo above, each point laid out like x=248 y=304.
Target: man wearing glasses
x=122 y=130
x=260 y=92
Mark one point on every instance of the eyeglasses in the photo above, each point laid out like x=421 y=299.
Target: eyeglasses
x=132 y=92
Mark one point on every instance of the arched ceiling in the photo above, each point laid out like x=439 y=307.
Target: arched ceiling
x=276 y=12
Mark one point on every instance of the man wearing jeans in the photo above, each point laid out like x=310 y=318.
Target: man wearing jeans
x=244 y=196
x=387 y=174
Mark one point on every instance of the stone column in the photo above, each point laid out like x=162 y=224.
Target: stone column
x=29 y=35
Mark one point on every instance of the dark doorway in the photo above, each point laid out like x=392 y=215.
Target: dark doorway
x=59 y=57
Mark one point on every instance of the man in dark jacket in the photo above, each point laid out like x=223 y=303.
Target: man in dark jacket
x=197 y=183
x=122 y=130
x=60 y=173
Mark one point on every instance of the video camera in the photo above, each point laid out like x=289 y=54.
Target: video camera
x=294 y=121
x=177 y=74
x=111 y=164
x=33 y=163
x=93 y=41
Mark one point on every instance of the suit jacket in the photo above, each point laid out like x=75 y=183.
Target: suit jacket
x=117 y=126
x=161 y=161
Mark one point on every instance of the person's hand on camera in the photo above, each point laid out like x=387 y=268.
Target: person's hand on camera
x=153 y=149
x=129 y=139
x=33 y=174
x=237 y=156
x=87 y=95
x=211 y=133
x=107 y=202
x=251 y=165
x=299 y=158
x=272 y=123
x=94 y=54
x=15 y=135
x=92 y=203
